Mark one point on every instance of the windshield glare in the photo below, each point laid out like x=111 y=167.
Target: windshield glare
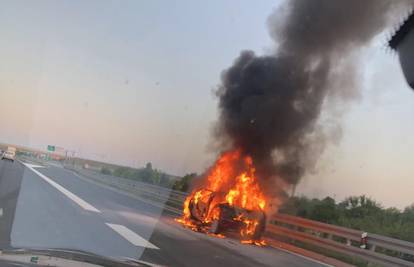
x=185 y=133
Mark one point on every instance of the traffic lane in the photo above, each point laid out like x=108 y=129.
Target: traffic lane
x=193 y=250
x=197 y=249
x=115 y=207
x=45 y=218
x=178 y=246
x=10 y=178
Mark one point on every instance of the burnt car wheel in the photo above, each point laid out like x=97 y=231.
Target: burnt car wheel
x=258 y=231
x=260 y=228
x=199 y=208
x=191 y=207
x=216 y=226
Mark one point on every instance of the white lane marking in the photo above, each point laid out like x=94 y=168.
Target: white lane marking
x=85 y=205
x=32 y=165
x=132 y=237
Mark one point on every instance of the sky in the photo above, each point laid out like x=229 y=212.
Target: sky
x=132 y=82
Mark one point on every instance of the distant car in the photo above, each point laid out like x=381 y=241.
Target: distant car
x=8 y=155
x=224 y=217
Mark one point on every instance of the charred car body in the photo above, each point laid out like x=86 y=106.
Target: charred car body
x=208 y=210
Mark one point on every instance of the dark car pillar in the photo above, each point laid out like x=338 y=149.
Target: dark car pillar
x=403 y=43
x=10 y=181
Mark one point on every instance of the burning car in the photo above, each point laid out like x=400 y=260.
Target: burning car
x=228 y=199
x=206 y=210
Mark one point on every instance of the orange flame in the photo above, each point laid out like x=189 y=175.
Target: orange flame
x=233 y=179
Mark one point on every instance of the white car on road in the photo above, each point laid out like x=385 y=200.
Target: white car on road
x=9 y=155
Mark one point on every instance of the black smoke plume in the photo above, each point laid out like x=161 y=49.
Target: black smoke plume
x=269 y=106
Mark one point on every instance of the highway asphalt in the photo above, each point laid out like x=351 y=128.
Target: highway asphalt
x=57 y=208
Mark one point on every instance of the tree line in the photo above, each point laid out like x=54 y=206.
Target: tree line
x=146 y=175
x=356 y=212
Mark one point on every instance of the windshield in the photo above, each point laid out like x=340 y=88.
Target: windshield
x=190 y=133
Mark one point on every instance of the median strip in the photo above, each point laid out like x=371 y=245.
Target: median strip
x=131 y=236
x=85 y=205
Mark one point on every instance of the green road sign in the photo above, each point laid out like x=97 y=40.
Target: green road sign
x=34 y=259
x=51 y=148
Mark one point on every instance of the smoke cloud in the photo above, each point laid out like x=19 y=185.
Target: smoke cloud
x=269 y=105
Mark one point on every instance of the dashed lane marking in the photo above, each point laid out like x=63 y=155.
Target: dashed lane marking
x=131 y=236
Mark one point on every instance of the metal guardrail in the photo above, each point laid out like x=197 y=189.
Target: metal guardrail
x=381 y=250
